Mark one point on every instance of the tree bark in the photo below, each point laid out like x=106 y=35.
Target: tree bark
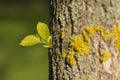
x=72 y=16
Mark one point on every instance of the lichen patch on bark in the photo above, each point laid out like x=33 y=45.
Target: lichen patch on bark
x=72 y=16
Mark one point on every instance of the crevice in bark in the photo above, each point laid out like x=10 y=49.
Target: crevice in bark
x=72 y=22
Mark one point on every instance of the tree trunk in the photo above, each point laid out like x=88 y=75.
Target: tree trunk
x=72 y=17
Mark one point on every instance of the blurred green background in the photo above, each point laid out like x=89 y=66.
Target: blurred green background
x=18 y=18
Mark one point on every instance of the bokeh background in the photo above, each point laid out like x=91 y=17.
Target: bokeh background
x=18 y=18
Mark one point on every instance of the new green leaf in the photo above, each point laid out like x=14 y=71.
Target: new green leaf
x=48 y=44
x=49 y=40
x=43 y=31
x=30 y=40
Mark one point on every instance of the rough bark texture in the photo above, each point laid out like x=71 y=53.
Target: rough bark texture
x=72 y=16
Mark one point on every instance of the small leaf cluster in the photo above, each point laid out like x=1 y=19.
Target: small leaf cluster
x=42 y=37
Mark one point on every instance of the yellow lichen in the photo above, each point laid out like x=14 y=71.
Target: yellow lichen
x=71 y=52
x=80 y=46
x=117 y=43
x=98 y=28
x=90 y=30
x=64 y=54
x=71 y=59
x=62 y=33
x=77 y=47
x=88 y=78
x=105 y=55
x=116 y=31
x=78 y=38
x=106 y=34
x=116 y=36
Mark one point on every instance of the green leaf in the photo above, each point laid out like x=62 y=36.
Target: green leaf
x=49 y=40
x=30 y=40
x=46 y=46
x=43 y=30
